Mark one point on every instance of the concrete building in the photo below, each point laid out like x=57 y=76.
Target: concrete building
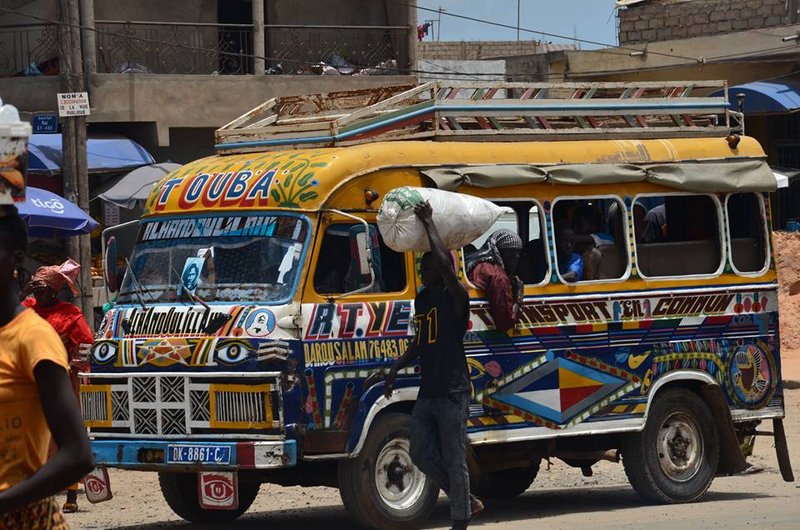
x=167 y=74
x=642 y=21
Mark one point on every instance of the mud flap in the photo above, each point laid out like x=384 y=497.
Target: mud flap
x=782 y=450
x=97 y=485
x=218 y=490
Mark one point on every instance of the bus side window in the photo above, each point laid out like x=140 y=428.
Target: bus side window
x=590 y=239
x=746 y=231
x=680 y=236
x=336 y=265
x=534 y=262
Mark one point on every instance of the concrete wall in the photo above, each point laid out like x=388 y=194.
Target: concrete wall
x=176 y=101
x=486 y=70
x=542 y=67
x=660 y=20
x=473 y=50
x=157 y=10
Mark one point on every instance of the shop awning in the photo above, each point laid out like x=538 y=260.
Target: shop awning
x=135 y=186
x=105 y=153
x=766 y=97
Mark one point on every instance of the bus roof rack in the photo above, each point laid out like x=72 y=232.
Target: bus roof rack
x=484 y=111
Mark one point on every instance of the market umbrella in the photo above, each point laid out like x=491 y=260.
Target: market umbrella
x=49 y=215
x=136 y=185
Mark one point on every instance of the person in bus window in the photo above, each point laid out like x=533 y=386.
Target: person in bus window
x=655 y=224
x=492 y=269
x=439 y=419
x=570 y=263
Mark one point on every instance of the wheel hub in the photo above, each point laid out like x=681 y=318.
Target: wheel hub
x=398 y=481
x=680 y=447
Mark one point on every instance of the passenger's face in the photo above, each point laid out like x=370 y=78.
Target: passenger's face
x=565 y=242
x=510 y=257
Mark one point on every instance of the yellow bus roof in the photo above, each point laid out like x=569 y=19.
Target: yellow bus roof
x=307 y=179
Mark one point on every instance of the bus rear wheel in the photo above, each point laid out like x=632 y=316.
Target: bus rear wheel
x=381 y=487
x=180 y=492
x=674 y=459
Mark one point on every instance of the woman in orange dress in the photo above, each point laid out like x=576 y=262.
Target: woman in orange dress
x=36 y=402
x=68 y=321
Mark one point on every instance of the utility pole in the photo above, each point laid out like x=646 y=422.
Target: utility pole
x=74 y=167
x=518 y=1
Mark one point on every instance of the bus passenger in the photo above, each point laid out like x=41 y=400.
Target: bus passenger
x=491 y=268
x=439 y=419
x=570 y=263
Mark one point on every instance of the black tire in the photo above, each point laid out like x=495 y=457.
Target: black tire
x=180 y=492
x=507 y=483
x=674 y=459
x=414 y=495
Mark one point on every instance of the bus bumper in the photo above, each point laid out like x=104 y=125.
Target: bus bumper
x=178 y=455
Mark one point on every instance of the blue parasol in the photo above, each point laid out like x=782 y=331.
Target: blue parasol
x=49 y=215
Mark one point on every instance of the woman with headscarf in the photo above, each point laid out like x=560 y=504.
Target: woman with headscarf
x=68 y=321
x=36 y=402
x=491 y=268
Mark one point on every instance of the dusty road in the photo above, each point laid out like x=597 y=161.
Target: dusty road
x=560 y=498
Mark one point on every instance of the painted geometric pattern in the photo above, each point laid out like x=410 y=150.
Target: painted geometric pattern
x=144 y=390
x=145 y=421
x=200 y=405
x=173 y=421
x=119 y=406
x=561 y=391
x=172 y=389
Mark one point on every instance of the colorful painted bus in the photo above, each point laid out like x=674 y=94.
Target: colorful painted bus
x=260 y=296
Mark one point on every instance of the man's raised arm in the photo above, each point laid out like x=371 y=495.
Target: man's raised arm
x=442 y=258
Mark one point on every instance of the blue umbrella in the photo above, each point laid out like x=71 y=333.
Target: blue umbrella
x=49 y=215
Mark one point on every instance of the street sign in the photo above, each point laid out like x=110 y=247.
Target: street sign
x=73 y=104
x=44 y=123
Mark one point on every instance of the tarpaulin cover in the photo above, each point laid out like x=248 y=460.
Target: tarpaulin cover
x=739 y=175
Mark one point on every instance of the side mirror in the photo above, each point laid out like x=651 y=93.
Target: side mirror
x=110 y=265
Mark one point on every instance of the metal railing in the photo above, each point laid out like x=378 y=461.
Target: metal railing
x=29 y=49
x=350 y=49
x=187 y=48
x=173 y=48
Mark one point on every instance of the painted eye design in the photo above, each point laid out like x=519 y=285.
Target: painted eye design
x=217 y=490
x=233 y=351
x=104 y=351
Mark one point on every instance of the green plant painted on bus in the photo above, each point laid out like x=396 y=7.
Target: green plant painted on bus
x=294 y=182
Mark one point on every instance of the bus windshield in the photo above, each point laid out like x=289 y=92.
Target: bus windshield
x=216 y=259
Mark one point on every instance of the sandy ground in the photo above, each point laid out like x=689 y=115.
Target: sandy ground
x=560 y=498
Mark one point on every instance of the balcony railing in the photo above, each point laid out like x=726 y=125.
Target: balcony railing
x=28 y=49
x=182 y=48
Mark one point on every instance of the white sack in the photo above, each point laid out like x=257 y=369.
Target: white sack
x=459 y=218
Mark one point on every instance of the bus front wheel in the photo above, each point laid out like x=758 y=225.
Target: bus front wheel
x=674 y=459
x=381 y=487
x=180 y=492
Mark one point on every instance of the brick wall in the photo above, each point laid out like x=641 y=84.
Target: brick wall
x=659 y=20
x=474 y=50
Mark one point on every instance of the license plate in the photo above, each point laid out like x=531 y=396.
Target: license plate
x=198 y=454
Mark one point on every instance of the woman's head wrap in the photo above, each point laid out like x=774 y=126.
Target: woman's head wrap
x=490 y=251
x=55 y=276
